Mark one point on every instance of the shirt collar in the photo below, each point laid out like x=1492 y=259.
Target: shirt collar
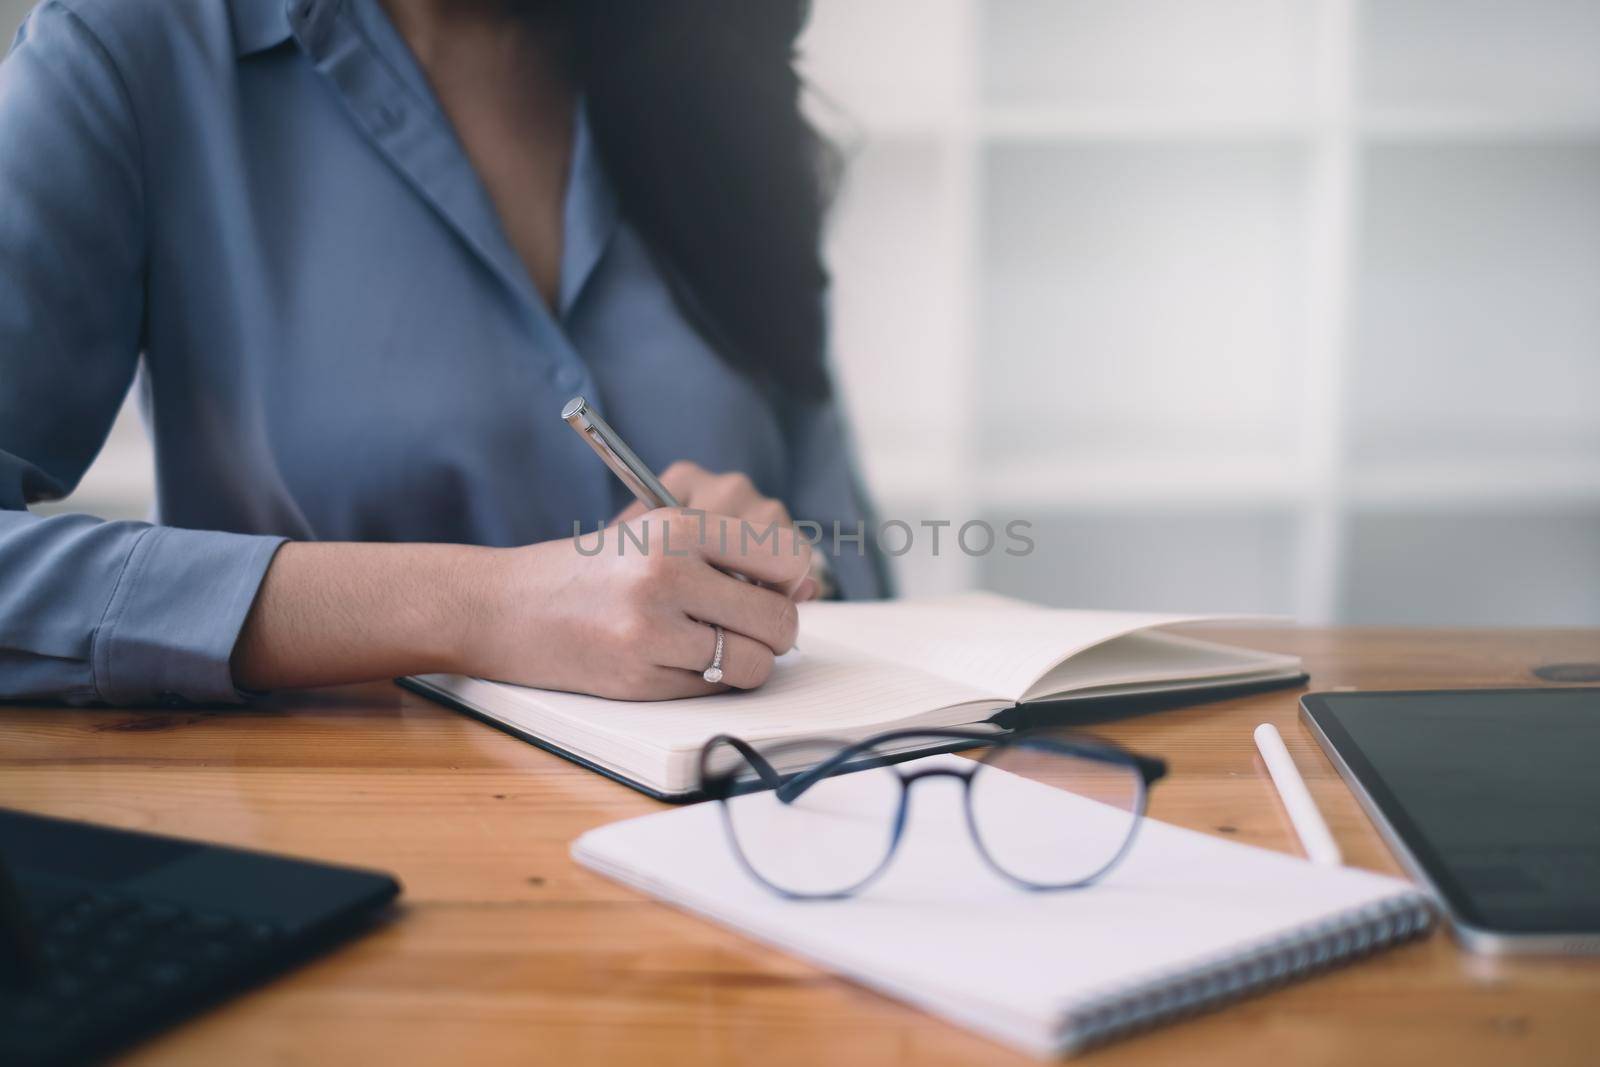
x=259 y=25
x=590 y=213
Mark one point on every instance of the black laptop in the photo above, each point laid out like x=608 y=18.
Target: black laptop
x=107 y=935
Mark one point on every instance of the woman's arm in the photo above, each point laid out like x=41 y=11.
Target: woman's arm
x=126 y=612
x=619 y=615
x=114 y=611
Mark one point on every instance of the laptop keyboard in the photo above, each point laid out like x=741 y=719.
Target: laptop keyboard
x=114 y=964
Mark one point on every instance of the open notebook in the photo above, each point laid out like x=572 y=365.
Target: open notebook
x=863 y=668
x=1185 y=921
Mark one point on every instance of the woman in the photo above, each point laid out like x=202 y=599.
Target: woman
x=360 y=253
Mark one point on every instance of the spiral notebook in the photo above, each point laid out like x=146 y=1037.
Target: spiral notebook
x=1185 y=922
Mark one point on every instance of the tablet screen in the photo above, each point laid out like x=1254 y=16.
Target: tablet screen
x=1496 y=793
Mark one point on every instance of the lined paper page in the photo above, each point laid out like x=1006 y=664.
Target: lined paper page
x=1154 y=658
x=988 y=642
x=824 y=686
x=826 y=690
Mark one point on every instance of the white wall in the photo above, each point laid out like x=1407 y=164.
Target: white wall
x=1259 y=305
x=1277 y=305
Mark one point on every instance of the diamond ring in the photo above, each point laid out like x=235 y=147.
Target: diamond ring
x=713 y=673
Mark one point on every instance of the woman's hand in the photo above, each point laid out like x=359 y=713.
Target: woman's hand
x=723 y=494
x=629 y=622
x=628 y=615
x=732 y=494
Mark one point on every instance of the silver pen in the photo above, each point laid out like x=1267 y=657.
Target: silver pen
x=626 y=465
x=617 y=455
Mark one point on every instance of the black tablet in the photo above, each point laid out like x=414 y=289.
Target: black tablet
x=1491 y=796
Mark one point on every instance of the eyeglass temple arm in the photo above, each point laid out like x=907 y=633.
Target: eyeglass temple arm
x=764 y=770
x=795 y=787
x=1150 y=768
x=791 y=791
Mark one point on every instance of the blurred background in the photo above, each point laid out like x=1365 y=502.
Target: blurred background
x=1288 y=306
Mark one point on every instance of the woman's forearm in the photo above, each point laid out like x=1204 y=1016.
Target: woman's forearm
x=635 y=623
x=330 y=613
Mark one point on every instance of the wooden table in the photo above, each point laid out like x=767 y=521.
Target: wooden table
x=506 y=952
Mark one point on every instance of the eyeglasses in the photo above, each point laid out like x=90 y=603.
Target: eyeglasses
x=820 y=819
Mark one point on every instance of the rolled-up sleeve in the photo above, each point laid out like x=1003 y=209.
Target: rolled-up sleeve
x=90 y=611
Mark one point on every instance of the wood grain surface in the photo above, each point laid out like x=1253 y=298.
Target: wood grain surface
x=505 y=951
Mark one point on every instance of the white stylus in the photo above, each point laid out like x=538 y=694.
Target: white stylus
x=1315 y=837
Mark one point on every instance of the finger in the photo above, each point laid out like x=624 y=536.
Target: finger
x=631 y=512
x=670 y=683
x=765 y=615
x=774 y=555
x=764 y=512
x=684 y=479
x=746 y=663
x=742 y=500
x=732 y=493
x=728 y=494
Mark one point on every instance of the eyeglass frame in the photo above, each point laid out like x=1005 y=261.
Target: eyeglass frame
x=721 y=787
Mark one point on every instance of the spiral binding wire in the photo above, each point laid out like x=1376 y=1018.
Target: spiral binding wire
x=1295 y=955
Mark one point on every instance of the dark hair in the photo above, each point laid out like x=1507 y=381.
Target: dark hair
x=695 y=110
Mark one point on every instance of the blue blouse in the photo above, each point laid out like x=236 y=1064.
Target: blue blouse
x=260 y=213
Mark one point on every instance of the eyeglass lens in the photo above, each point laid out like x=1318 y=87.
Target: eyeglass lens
x=830 y=838
x=1016 y=784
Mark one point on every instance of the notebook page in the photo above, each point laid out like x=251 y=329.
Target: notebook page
x=823 y=690
x=1154 y=657
x=988 y=642
x=945 y=933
